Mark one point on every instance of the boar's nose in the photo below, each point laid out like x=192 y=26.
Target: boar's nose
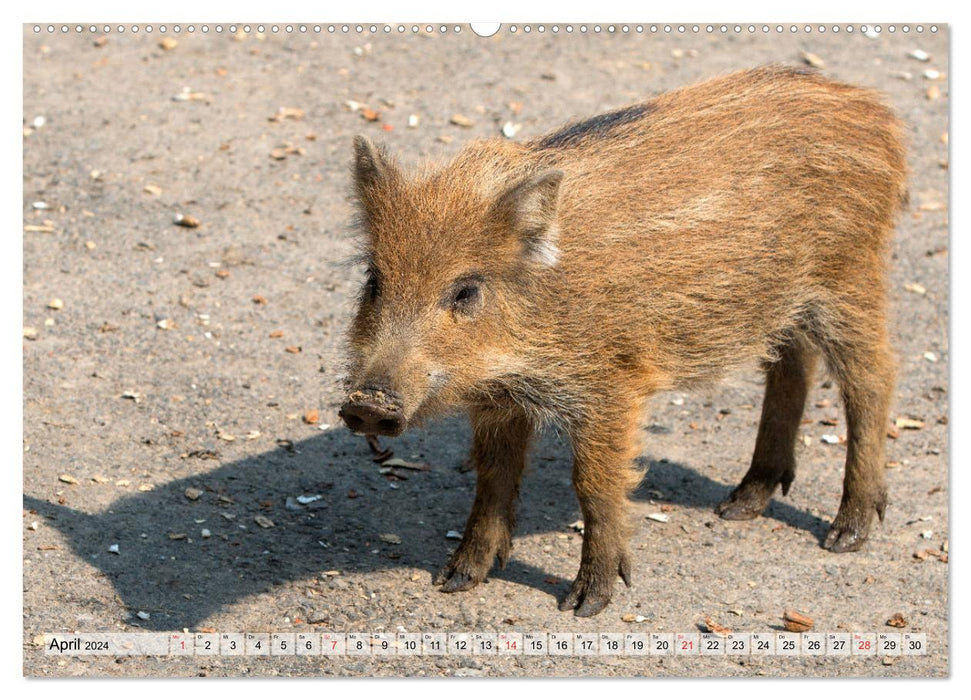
x=373 y=411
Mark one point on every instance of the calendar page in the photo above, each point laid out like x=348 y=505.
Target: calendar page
x=486 y=350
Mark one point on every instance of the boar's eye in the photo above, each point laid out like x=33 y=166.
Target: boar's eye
x=465 y=297
x=372 y=286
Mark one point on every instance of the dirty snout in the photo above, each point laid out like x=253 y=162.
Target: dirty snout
x=374 y=411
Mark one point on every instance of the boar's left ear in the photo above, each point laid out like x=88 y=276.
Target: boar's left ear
x=371 y=164
x=528 y=209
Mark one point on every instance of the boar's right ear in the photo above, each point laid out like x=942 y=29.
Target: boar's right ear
x=528 y=210
x=371 y=165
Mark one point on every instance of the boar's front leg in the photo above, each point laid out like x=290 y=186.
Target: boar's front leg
x=603 y=476
x=500 y=441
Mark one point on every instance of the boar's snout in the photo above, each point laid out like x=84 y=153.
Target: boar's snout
x=374 y=411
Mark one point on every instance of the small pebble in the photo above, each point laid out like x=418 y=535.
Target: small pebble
x=812 y=60
x=186 y=221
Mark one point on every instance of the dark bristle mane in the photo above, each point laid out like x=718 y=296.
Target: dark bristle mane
x=598 y=126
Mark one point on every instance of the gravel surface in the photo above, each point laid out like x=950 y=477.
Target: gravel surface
x=172 y=389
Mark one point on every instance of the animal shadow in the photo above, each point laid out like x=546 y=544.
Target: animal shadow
x=322 y=504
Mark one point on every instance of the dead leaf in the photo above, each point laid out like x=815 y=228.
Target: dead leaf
x=897 y=620
x=715 y=627
x=311 y=417
x=402 y=464
x=461 y=120
x=378 y=454
x=795 y=621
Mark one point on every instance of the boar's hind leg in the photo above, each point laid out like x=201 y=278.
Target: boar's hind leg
x=865 y=371
x=603 y=476
x=500 y=441
x=786 y=385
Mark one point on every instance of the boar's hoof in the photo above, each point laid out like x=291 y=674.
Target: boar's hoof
x=456 y=583
x=591 y=592
x=839 y=541
x=743 y=504
x=851 y=528
x=453 y=580
x=845 y=538
x=584 y=603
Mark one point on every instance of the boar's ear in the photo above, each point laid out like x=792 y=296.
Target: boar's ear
x=371 y=164
x=528 y=210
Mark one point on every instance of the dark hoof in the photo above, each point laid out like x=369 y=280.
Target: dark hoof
x=584 y=603
x=742 y=505
x=591 y=606
x=851 y=527
x=731 y=510
x=844 y=539
x=591 y=593
x=458 y=582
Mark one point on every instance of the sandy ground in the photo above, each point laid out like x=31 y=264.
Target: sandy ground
x=253 y=304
